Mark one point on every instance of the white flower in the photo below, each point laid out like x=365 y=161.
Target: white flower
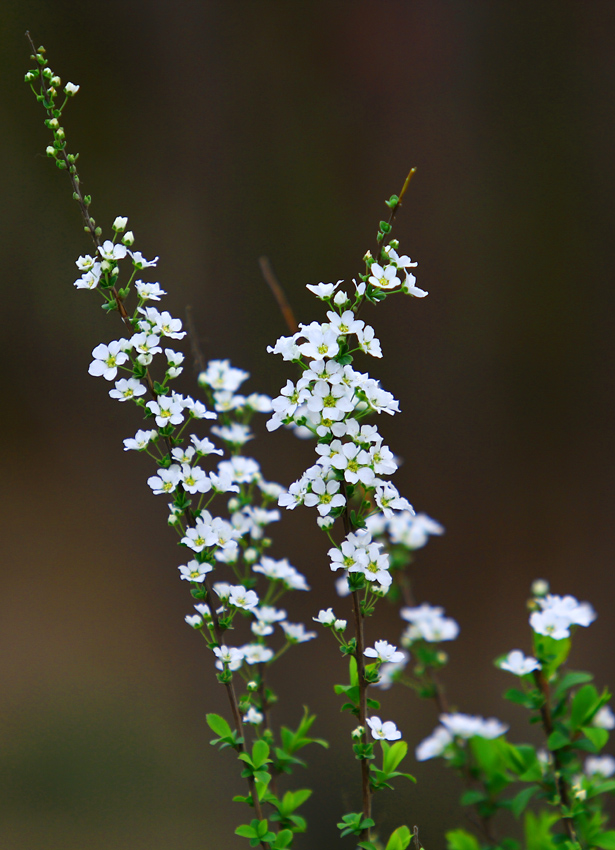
x=296 y=633
x=149 y=291
x=239 y=597
x=324 y=496
x=220 y=375
x=412 y=530
x=435 y=745
x=127 y=388
x=468 y=726
x=228 y=656
x=383 y=278
x=107 y=358
x=558 y=614
x=409 y=287
x=167 y=479
x=269 y=615
x=604 y=718
x=120 y=223
x=346 y=323
x=90 y=279
x=194 y=620
x=70 y=89
x=205 y=446
x=323 y=290
x=602 y=765
x=235 y=434
x=388 y=500
x=386 y=731
x=195 y=479
x=325 y=616
x=256 y=653
x=388 y=672
x=193 y=571
x=139 y=261
x=368 y=342
x=253 y=716
x=516 y=662
x=140 y=440
x=166 y=411
x=287 y=347
x=321 y=341
x=110 y=252
x=384 y=651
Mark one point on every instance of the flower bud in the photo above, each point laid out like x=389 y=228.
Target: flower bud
x=50 y=150
x=71 y=89
x=540 y=587
x=340 y=298
x=340 y=625
x=233 y=505
x=128 y=238
x=250 y=555
x=120 y=223
x=252 y=686
x=358 y=733
x=56 y=81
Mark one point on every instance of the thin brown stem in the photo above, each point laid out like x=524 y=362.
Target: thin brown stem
x=411 y=174
x=560 y=782
x=195 y=345
x=366 y=791
x=232 y=697
x=278 y=293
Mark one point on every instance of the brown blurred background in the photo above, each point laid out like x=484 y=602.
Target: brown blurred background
x=227 y=130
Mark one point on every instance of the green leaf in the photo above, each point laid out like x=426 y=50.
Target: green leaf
x=520 y=801
x=471 y=797
x=557 y=740
x=606 y=840
x=538 y=830
x=520 y=697
x=218 y=725
x=459 y=839
x=246 y=831
x=393 y=755
x=260 y=753
x=399 y=839
x=584 y=705
x=569 y=680
x=597 y=736
x=283 y=839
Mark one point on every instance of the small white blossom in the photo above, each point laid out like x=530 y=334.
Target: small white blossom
x=384 y=651
x=602 y=765
x=127 y=388
x=239 y=597
x=604 y=718
x=140 y=440
x=296 y=633
x=167 y=479
x=149 y=291
x=107 y=358
x=516 y=662
x=435 y=745
x=193 y=571
x=229 y=656
x=386 y=731
x=253 y=716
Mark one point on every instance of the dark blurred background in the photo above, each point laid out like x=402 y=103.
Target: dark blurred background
x=230 y=130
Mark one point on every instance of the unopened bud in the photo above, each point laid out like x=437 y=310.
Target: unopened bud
x=358 y=733
x=252 y=686
x=540 y=587
x=120 y=223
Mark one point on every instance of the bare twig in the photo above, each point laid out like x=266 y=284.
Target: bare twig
x=278 y=293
